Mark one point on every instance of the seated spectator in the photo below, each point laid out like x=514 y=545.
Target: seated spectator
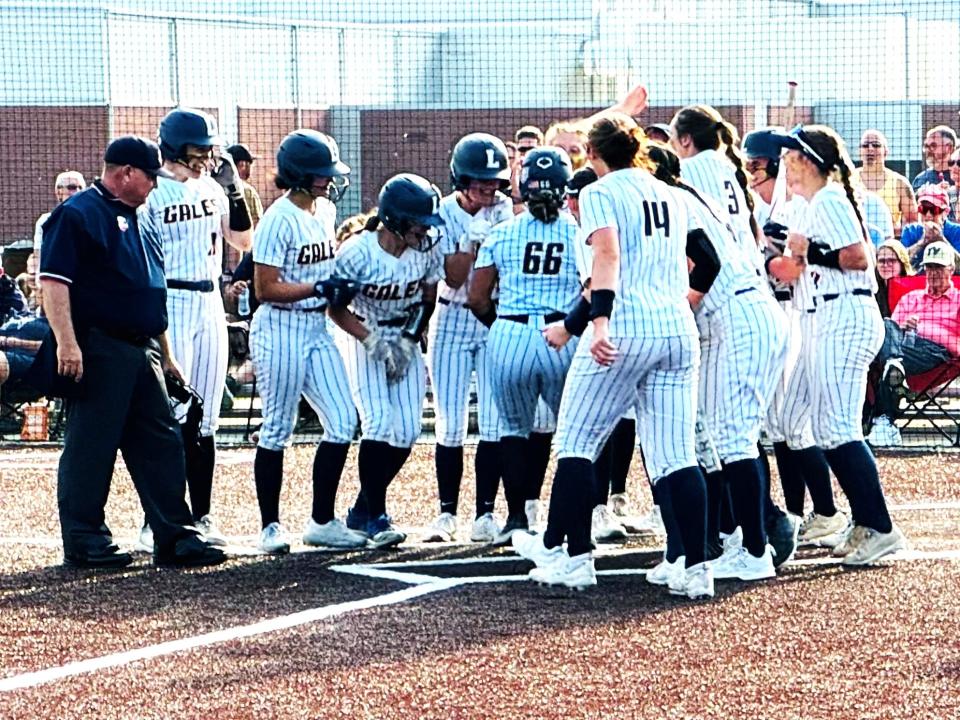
x=67 y=184
x=892 y=261
x=27 y=282
x=938 y=145
x=932 y=206
x=20 y=339
x=922 y=333
x=12 y=301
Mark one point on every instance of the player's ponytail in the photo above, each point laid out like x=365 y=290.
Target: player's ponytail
x=373 y=222
x=544 y=206
x=848 y=188
x=728 y=136
x=667 y=170
x=829 y=145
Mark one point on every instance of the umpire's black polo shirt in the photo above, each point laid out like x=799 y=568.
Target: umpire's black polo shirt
x=92 y=242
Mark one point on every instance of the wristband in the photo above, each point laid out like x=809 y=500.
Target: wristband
x=576 y=320
x=816 y=256
x=601 y=303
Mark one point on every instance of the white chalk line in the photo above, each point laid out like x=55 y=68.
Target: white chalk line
x=421 y=585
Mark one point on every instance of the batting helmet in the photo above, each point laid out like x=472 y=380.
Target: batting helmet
x=185 y=126
x=545 y=171
x=760 y=144
x=479 y=156
x=581 y=178
x=407 y=200
x=304 y=155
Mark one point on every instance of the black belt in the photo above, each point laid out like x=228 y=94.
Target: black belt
x=782 y=295
x=296 y=309
x=443 y=301
x=195 y=285
x=741 y=291
x=548 y=318
x=834 y=296
x=397 y=322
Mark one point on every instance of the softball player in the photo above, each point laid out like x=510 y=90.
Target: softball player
x=291 y=349
x=642 y=347
x=699 y=134
x=830 y=259
x=532 y=256
x=742 y=344
x=457 y=346
x=801 y=464
x=192 y=215
x=397 y=264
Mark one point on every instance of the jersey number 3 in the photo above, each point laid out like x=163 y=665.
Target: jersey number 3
x=542 y=260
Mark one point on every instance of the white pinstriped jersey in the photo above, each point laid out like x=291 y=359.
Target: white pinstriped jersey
x=831 y=222
x=535 y=262
x=736 y=270
x=390 y=284
x=456 y=221
x=186 y=216
x=652 y=229
x=710 y=172
x=298 y=242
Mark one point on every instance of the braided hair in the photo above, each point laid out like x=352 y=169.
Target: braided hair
x=708 y=131
x=832 y=149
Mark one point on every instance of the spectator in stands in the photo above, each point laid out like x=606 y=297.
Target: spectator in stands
x=953 y=164
x=20 y=339
x=876 y=215
x=938 y=145
x=892 y=261
x=28 y=285
x=571 y=138
x=243 y=159
x=67 y=184
x=893 y=188
x=932 y=207
x=511 y=151
x=526 y=139
x=922 y=333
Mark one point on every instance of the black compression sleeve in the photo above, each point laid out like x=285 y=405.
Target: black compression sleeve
x=816 y=256
x=706 y=263
x=239 y=215
x=487 y=317
x=577 y=319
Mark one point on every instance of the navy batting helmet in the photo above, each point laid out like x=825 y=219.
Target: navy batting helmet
x=760 y=144
x=186 y=126
x=545 y=171
x=304 y=155
x=581 y=178
x=479 y=156
x=407 y=200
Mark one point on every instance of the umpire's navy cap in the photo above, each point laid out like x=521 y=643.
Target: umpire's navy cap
x=137 y=152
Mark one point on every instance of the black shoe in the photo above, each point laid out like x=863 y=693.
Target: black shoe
x=782 y=536
x=514 y=523
x=714 y=550
x=108 y=556
x=189 y=552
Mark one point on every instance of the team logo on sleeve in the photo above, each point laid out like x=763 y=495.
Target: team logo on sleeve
x=122 y=223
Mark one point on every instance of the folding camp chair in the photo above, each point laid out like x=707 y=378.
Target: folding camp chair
x=926 y=400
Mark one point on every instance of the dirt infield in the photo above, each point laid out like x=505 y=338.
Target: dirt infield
x=455 y=630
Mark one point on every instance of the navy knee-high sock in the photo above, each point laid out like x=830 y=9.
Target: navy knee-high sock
x=373 y=465
x=570 y=510
x=816 y=476
x=538 y=447
x=625 y=440
x=200 y=456
x=327 y=469
x=449 y=464
x=715 y=491
x=398 y=456
x=602 y=469
x=513 y=456
x=487 y=469
x=791 y=477
x=771 y=513
x=746 y=488
x=688 y=494
x=268 y=477
x=661 y=495
x=856 y=471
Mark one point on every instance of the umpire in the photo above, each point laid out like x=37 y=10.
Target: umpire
x=105 y=296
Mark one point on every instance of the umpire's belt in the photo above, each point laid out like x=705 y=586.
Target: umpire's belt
x=127 y=337
x=397 y=322
x=195 y=285
x=319 y=308
x=548 y=318
x=834 y=296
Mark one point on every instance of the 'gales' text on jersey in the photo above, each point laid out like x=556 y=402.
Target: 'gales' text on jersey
x=391 y=292
x=314 y=253
x=185 y=211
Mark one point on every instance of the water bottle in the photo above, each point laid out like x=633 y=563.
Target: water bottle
x=243 y=303
x=909 y=338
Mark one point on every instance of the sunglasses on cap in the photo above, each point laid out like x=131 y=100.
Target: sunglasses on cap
x=929 y=208
x=800 y=135
x=871 y=144
x=953 y=163
x=73 y=187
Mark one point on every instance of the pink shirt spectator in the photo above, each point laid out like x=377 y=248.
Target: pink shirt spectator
x=938 y=317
